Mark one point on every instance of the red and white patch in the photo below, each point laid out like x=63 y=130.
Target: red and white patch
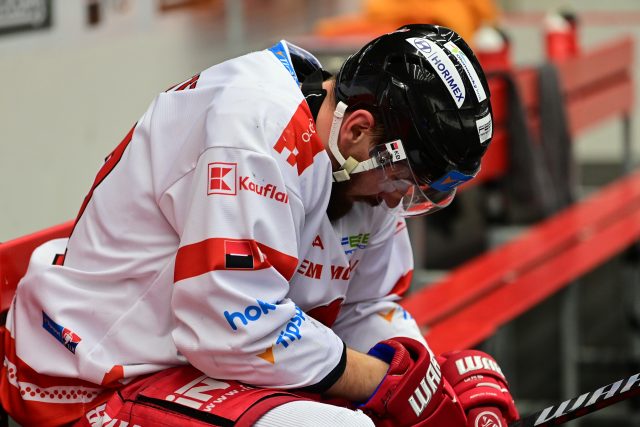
x=299 y=142
x=487 y=419
x=222 y=178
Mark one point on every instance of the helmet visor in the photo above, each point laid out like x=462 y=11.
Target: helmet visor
x=402 y=192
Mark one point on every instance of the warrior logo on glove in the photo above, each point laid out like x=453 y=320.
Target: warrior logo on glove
x=428 y=386
x=475 y=363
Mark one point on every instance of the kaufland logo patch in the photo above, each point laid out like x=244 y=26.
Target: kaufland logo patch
x=64 y=335
x=268 y=191
x=222 y=178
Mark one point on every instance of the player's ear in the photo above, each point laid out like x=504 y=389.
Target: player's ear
x=355 y=133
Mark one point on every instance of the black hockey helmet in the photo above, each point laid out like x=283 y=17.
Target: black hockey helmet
x=427 y=88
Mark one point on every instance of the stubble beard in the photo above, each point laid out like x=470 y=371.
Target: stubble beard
x=340 y=202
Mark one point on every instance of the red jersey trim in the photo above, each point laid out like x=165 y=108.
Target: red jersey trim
x=38 y=399
x=230 y=254
x=327 y=314
x=402 y=285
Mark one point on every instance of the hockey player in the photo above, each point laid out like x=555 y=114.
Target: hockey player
x=239 y=257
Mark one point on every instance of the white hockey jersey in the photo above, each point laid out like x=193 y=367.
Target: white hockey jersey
x=204 y=239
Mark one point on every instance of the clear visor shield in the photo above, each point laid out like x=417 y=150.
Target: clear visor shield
x=402 y=193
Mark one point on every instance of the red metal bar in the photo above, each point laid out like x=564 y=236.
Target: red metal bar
x=596 y=66
x=481 y=319
x=594 y=108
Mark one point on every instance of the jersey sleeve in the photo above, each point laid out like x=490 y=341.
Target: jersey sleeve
x=371 y=313
x=239 y=227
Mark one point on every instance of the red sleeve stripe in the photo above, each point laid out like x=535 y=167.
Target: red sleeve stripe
x=110 y=163
x=190 y=83
x=402 y=285
x=230 y=254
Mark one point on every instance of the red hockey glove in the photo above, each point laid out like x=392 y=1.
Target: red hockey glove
x=480 y=386
x=413 y=392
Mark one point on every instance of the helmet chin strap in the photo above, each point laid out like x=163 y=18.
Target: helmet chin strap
x=348 y=166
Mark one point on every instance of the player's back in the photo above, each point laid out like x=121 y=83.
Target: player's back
x=97 y=307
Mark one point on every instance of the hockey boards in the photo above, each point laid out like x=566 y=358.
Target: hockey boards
x=583 y=404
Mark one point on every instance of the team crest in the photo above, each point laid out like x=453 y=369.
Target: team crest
x=64 y=335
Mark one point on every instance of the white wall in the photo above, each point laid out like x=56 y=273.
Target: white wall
x=71 y=92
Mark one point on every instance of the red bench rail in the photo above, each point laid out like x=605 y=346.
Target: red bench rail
x=15 y=254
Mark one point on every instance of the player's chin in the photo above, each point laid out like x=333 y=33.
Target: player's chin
x=370 y=200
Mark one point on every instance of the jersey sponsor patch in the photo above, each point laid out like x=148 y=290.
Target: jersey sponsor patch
x=268 y=191
x=238 y=254
x=65 y=336
x=222 y=178
x=310 y=269
x=251 y=313
x=287 y=336
x=476 y=83
x=211 y=255
x=355 y=241
x=443 y=66
x=291 y=331
x=485 y=128
x=299 y=142
x=388 y=315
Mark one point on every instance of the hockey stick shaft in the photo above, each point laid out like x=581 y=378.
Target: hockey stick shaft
x=583 y=404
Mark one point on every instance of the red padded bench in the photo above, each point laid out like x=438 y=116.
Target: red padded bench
x=14 y=258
